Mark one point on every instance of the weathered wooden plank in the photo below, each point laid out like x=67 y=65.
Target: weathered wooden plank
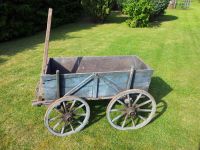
x=45 y=55
x=142 y=76
x=50 y=92
x=130 y=79
x=41 y=90
x=67 y=83
x=96 y=64
x=57 y=84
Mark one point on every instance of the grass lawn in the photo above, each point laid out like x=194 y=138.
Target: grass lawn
x=170 y=47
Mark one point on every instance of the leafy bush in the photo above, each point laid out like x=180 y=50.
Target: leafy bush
x=25 y=17
x=97 y=9
x=159 y=7
x=141 y=12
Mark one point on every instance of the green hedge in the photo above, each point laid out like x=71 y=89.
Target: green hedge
x=24 y=17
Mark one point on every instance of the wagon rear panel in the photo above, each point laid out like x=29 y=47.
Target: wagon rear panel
x=142 y=79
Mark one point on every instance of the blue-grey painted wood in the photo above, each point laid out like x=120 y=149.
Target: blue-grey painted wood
x=92 y=89
x=142 y=79
x=103 y=84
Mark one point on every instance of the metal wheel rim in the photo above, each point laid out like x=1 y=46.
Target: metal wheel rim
x=132 y=91
x=56 y=104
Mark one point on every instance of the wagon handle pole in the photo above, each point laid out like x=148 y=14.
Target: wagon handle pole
x=45 y=55
x=46 y=46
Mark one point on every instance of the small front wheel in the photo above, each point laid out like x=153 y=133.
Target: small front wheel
x=67 y=115
x=131 y=109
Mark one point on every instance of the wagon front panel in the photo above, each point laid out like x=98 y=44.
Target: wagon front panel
x=112 y=83
x=49 y=87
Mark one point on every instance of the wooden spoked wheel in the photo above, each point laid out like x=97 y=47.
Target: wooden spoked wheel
x=67 y=115
x=131 y=109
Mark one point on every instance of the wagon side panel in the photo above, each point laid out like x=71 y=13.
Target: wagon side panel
x=100 y=86
x=69 y=81
x=112 y=83
x=142 y=79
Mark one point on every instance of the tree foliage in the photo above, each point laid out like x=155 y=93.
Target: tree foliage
x=98 y=10
x=24 y=17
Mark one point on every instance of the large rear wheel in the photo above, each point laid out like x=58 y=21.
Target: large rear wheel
x=131 y=109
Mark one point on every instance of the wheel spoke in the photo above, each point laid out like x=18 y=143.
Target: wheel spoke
x=133 y=122
x=64 y=106
x=124 y=122
x=129 y=104
x=121 y=102
x=71 y=126
x=144 y=103
x=59 y=110
x=72 y=105
x=114 y=110
x=80 y=114
x=138 y=97
x=56 y=125
x=141 y=117
x=54 y=118
x=116 y=118
x=79 y=107
x=80 y=122
x=137 y=120
x=63 y=129
x=144 y=110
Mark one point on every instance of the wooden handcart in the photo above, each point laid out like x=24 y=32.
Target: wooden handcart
x=67 y=83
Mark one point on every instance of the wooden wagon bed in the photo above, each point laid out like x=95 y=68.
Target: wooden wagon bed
x=94 y=77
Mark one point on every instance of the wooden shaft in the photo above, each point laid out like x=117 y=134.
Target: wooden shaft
x=46 y=46
x=57 y=84
x=45 y=55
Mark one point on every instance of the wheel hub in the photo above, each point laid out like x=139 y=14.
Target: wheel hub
x=131 y=111
x=67 y=117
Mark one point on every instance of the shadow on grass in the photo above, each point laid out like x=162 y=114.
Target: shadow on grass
x=97 y=110
x=159 y=89
x=11 y=48
x=116 y=17
x=161 y=19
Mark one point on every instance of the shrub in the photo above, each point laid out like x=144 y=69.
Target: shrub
x=159 y=7
x=98 y=10
x=141 y=12
x=25 y=17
